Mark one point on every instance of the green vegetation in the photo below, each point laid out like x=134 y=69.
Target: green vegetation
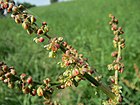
x=84 y=24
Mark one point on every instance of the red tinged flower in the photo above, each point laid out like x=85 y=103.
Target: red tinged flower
x=22 y=76
x=29 y=80
x=44 y=23
x=75 y=72
x=41 y=39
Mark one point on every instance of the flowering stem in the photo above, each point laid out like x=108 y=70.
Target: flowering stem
x=104 y=88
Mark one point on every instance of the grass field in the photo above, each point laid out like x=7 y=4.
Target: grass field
x=84 y=24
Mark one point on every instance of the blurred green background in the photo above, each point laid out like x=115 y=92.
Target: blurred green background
x=83 y=24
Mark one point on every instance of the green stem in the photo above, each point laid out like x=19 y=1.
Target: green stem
x=118 y=57
x=104 y=88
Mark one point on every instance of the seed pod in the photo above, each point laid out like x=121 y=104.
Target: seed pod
x=5 y=68
x=40 y=91
x=75 y=72
x=29 y=80
x=26 y=90
x=22 y=76
x=6 y=80
x=65 y=44
x=17 y=20
x=114 y=54
x=116 y=21
x=41 y=39
x=116 y=66
x=25 y=25
x=40 y=31
x=122 y=45
x=8 y=75
x=13 y=72
x=24 y=16
x=44 y=23
x=33 y=19
x=46 y=29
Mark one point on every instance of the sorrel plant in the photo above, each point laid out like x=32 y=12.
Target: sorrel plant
x=76 y=65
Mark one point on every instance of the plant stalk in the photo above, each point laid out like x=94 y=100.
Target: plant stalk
x=104 y=88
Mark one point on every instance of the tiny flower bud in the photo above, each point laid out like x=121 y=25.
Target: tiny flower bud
x=29 y=80
x=6 y=80
x=116 y=38
x=8 y=75
x=114 y=27
x=116 y=67
x=120 y=28
x=64 y=44
x=17 y=20
x=22 y=76
x=40 y=31
x=40 y=91
x=116 y=21
x=33 y=19
x=60 y=39
x=13 y=72
x=75 y=72
x=122 y=45
x=41 y=39
x=25 y=25
x=44 y=23
x=5 y=68
x=26 y=90
x=114 y=54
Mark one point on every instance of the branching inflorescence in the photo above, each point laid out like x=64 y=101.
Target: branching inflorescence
x=76 y=66
x=117 y=65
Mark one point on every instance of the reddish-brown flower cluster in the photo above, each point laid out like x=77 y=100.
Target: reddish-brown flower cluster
x=117 y=65
x=21 y=16
x=76 y=65
x=25 y=83
x=119 y=44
